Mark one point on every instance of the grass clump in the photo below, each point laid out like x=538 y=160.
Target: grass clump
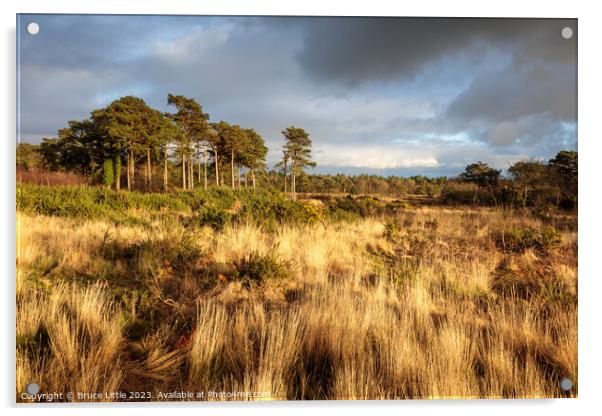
x=529 y=279
x=147 y=257
x=392 y=230
x=520 y=239
x=258 y=268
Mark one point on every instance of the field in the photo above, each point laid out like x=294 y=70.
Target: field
x=236 y=292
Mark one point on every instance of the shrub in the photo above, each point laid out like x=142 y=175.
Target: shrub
x=355 y=207
x=527 y=279
x=61 y=201
x=272 y=207
x=392 y=230
x=89 y=202
x=257 y=268
x=462 y=193
x=148 y=257
x=519 y=239
x=214 y=218
x=157 y=202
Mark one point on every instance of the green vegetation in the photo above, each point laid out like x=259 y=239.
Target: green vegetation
x=216 y=207
x=194 y=152
x=520 y=239
x=257 y=268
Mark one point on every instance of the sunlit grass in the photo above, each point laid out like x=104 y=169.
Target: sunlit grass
x=435 y=309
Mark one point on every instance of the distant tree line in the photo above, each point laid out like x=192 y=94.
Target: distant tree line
x=530 y=183
x=130 y=145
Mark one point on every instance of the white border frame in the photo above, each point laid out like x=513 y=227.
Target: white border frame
x=590 y=233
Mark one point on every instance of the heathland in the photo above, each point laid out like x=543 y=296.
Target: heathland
x=324 y=297
x=214 y=274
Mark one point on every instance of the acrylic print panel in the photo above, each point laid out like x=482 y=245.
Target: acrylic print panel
x=295 y=208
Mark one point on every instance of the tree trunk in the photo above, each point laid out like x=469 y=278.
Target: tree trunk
x=294 y=182
x=190 y=172
x=526 y=193
x=183 y=170
x=285 y=166
x=117 y=172
x=165 y=182
x=492 y=195
x=198 y=161
x=132 y=168
x=216 y=168
x=232 y=167
x=205 y=167
x=129 y=170
x=253 y=177
x=148 y=170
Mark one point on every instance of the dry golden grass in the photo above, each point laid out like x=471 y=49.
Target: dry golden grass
x=433 y=310
x=69 y=339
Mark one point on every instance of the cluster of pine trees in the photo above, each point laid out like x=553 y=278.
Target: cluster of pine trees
x=129 y=144
x=118 y=141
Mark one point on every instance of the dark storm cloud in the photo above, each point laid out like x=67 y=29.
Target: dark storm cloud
x=514 y=92
x=523 y=100
x=355 y=50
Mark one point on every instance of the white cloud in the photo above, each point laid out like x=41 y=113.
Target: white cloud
x=198 y=40
x=381 y=157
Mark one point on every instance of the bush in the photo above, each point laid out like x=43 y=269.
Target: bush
x=257 y=268
x=461 y=193
x=527 y=279
x=272 y=207
x=392 y=230
x=61 y=201
x=519 y=239
x=214 y=218
x=147 y=257
x=350 y=208
x=90 y=201
x=216 y=207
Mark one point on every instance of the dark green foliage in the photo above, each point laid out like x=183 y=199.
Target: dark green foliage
x=566 y=163
x=297 y=150
x=257 y=268
x=108 y=176
x=88 y=202
x=80 y=148
x=28 y=156
x=213 y=217
x=128 y=130
x=350 y=208
x=481 y=174
x=520 y=239
x=216 y=207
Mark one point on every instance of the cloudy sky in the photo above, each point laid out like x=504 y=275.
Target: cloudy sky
x=380 y=95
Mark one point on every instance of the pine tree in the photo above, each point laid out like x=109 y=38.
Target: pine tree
x=193 y=125
x=298 y=149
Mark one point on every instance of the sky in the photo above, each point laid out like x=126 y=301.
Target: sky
x=387 y=96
